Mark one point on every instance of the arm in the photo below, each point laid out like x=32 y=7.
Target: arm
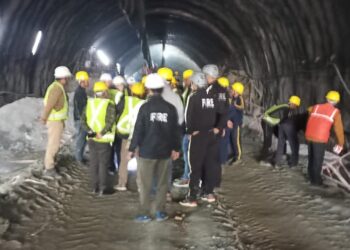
x=138 y=131
x=339 y=129
x=110 y=119
x=239 y=105
x=79 y=104
x=189 y=113
x=83 y=120
x=54 y=96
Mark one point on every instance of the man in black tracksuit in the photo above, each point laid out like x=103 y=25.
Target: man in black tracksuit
x=156 y=135
x=201 y=123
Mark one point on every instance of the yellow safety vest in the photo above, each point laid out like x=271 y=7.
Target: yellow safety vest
x=115 y=95
x=96 y=111
x=57 y=115
x=125 y=122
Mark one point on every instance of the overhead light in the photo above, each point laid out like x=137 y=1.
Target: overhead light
x=37 y=42
x=118 y=67
x=103 y=57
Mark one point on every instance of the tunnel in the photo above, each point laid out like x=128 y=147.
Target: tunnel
x=276 y=48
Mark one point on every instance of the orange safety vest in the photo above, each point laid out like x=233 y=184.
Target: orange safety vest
x=320 y=122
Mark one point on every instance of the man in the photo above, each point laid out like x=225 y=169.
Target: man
x=322 y=118
x=99 y=120
x=54 y=114
x=185 y=179
x=106 y=78
x=201 y=119
x=128 y=108
x=80 y=100
x=156 y=136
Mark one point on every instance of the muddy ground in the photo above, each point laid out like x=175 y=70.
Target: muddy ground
x=259 y=208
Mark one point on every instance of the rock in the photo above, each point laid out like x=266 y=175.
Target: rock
x=4 y=225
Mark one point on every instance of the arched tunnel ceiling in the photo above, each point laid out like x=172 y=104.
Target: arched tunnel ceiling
x=288 y=45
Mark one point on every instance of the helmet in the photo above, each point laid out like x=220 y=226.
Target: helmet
x=82 y=76
x=333 y=96
x=118 y=80
x=62 y=72
x=173 y=81
x=143 y=80
x=295 y=100
x=238 y=87
x=106 y=77
x=166 y=73
x=223 y=82
x=131 y=80
x=100 y=87
x=154 y=81
x=138 y=89
x=187 y=74
x=211 y=70
x=198 y=79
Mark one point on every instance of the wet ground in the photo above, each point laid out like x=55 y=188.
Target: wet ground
x=259 y=208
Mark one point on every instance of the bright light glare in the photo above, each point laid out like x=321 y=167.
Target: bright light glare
x=103 y=57
x=118 y=67
x=37 y=42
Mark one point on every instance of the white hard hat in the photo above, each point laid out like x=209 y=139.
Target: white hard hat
x=62 y=72
x=106 y=77
x=131 y=80
x=118 y=80
x=198 y=79
x=211 y=70
x=154 y=81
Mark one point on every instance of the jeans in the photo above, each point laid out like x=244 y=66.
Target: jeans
x=80 y=141
x=185 y=144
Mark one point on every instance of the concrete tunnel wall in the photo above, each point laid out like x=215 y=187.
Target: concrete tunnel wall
x=287 y=45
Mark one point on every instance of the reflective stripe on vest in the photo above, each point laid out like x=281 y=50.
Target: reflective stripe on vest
x=132 y=104
x=273 y=121
x=96 y=111
x=320 y=122
x=61 y=114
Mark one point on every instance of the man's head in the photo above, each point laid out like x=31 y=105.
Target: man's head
x=333 y=97
x=211 y=72
x=107 y=78
x=294 y=102
x=101 y=90
x=82 y=78
x=155 y=84
x=186 y=77
x=166 y=73
x=237 y=89
x=138 y=90
x=198 y=81
x=62 y=75
x=119 y=82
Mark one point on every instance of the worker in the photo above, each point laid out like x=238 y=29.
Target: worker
x=222 y=97
x=322 y=118
x=80 y=100
x=54 y=114
x=287 y=130
x=185 y=178
x=235 y=122
x=99 y=121
x=155 y=136
x=201 y=120
x=130 y=81
x=106 y=78
x=128 y=108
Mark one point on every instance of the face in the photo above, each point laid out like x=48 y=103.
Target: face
x=187 y=82
x=234 y=93
x=292 y=106
x=84 y=84
x=194 y=87
x=120 y=87
x=210 y=79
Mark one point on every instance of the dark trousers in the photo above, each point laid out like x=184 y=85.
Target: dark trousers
x=100 y=155
x=204 y=163
x=235 y=141
x=115 y=156
x=287 y=131
x=316 y=156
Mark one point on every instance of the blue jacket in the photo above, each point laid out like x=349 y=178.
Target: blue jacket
x=236 y=110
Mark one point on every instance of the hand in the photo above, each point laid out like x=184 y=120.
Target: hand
x=223 y=133
x=98 y=136
x=337 y=149
x=229 y=124
x=130 y=155
x=175 y=155
x=216 y=131
x=195 y=133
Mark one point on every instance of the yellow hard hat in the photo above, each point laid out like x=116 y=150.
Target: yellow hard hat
x=100 y=87
x=224 y=82
x=166 y=73
x=238 y=87
x=295 y=100
x=143 y=81
x=82 y=76
x=333 y=96
x=138 y=89
x=187 y=74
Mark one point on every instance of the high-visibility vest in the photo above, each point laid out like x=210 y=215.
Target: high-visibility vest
x=320 y=122
x=57 y=115
x=115 y=95
x=96 y=111
x=273 y=121
x=132 y=105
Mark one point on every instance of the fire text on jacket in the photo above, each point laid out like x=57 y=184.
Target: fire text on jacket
x=159 y=117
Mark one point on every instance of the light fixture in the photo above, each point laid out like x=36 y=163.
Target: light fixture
x=103 y=57
x=118 y=67
x=37 y=42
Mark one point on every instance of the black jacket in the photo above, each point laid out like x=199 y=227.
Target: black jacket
x=80 y=101
x=222 y=97
x=156 y=131
x=202 y=112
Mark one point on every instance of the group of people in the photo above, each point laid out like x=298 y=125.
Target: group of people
x=157 y=119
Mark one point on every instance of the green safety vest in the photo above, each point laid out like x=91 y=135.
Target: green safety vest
x=96 y=111
x=57 y=115
x=115 y=95
x=125 y=122
x=273 y=121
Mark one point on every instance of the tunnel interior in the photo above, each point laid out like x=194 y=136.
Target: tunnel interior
x=278 y=47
